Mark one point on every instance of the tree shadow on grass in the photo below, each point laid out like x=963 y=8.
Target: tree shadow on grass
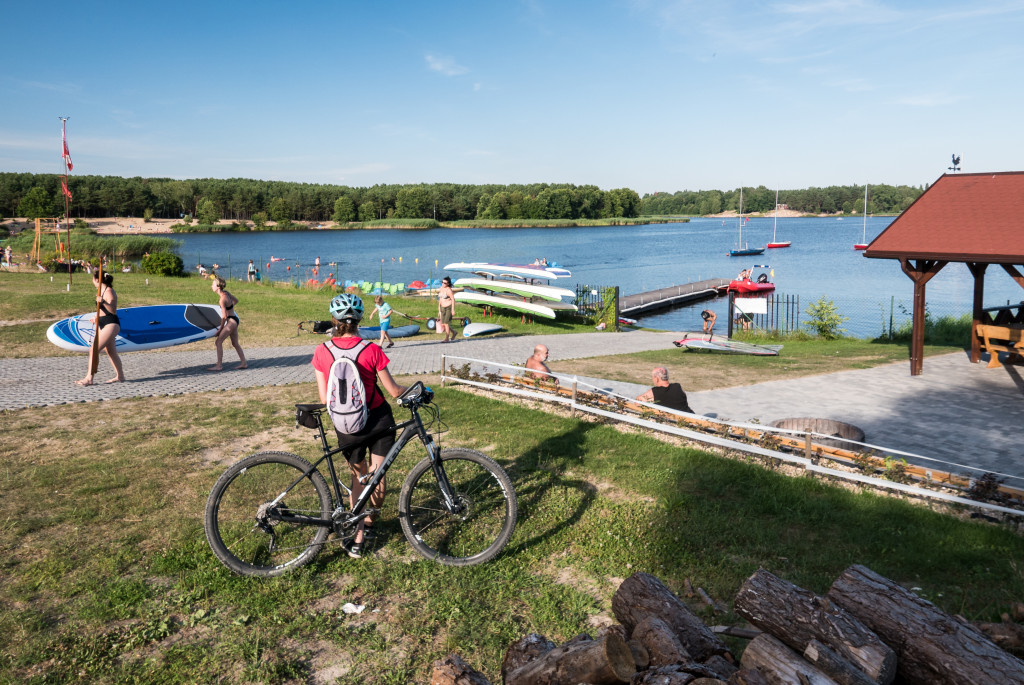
x=538 y=471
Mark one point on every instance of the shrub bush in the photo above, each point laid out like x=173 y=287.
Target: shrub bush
x=825 y=319
x=163 y=264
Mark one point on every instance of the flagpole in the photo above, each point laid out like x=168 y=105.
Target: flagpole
x=66 y=156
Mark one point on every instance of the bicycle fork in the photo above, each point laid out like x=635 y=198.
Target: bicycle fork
x=451 y=504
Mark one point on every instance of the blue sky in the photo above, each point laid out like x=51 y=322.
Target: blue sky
x=650 y=95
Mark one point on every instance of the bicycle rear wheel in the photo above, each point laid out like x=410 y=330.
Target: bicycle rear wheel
x=240 y=524
x=486 y=515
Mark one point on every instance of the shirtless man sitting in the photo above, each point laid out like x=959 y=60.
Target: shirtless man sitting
x=536 y=363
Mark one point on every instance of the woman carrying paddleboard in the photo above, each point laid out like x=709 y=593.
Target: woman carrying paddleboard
x=228 y=324
x=107 y=327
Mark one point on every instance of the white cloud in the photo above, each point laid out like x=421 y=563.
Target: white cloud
x=445 y=65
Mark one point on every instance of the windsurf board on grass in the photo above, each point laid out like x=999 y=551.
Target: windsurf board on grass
x=534 y=308
x=142 y=328
x=729 y=346
x=479 y=329
x=524 y=270
x=373 y=332
x=547 y=292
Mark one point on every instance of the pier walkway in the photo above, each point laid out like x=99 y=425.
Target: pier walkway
x=663 y=298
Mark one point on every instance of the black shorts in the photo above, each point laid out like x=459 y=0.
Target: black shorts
x=378 y=419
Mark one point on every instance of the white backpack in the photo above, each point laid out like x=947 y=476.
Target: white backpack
x=347 y=402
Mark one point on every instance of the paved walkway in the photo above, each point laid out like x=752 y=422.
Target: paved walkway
x=956 y=411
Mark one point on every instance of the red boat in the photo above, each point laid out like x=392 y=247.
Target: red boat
x=744 y=283
x=749 y=286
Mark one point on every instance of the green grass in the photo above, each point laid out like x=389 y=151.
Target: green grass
x=106 y=576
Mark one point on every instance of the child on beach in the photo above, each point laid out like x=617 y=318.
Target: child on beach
x=383 y=310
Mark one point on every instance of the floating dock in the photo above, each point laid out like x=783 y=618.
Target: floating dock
x=642 y=303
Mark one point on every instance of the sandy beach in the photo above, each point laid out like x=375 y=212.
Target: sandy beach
x=124 y=226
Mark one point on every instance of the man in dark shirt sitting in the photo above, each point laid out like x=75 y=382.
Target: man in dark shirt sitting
x=666 y=394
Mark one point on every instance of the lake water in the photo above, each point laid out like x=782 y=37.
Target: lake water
x=821 y=262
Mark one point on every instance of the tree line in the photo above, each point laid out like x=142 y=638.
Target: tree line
x=239 y=199
x=882 y=199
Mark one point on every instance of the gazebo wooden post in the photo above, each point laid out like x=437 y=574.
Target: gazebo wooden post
x=1014 y=274
x=920 y=275
x=978 y=271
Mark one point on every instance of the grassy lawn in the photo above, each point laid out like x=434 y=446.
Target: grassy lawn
x=107 y=576
x=269 y=313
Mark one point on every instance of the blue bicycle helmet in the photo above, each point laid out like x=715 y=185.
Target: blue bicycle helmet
x=347 y=307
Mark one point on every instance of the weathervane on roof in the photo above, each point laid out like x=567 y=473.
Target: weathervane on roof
x=956 y=164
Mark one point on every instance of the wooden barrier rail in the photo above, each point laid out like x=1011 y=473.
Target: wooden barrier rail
x=795 y=444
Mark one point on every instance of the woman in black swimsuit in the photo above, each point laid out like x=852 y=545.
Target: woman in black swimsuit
x=108 y=327
x=228 y=324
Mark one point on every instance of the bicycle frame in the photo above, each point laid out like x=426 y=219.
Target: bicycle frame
x=412 y=428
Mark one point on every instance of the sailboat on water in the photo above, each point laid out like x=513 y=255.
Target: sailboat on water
x=863 y=244
x=741 y=251
x=774 y=242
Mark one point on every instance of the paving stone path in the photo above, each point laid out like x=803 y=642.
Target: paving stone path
x=956 y=411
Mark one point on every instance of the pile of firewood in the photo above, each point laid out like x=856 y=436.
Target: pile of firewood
x=865 y=630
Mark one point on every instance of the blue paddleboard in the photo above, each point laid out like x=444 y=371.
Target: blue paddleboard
x=142 y=328
x=373 y=332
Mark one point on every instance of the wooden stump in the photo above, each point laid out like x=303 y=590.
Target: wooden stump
x=834 y=666
x=643 y=595
x=780 y=665
x=662 y=645
x=931 y=646
x=748 y=676
x=605 y=661
x=797 y=616
x=452 y=670
x=523 y=651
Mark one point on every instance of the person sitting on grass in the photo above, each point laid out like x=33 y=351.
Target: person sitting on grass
x=666 y=394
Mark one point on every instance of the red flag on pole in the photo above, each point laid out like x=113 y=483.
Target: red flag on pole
x=64 y=185
x=67 y=155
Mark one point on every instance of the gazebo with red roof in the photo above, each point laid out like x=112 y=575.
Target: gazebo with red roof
x=977 y=219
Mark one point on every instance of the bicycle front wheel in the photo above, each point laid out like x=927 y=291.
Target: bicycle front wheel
x=484 y=516
x=242 y=514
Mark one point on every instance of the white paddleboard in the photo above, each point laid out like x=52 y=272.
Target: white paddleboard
x=546 y=273
x=534 y=308
x=479 y=329
x=547 y=292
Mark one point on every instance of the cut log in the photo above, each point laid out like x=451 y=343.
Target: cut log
x=641 y=657
x=748 y=676
x=796 y=616
x=662 y=645
x=722 y=667
x=1009 y=636
x=604 y=661
x=733 y=631
x=452 y=670
x=834 y=665
x=931 y=646
x=523 y=651
x=643 y=595
x=666 y=675
x=780 y=665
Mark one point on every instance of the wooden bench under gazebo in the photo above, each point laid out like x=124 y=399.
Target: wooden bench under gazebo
x=976 y=219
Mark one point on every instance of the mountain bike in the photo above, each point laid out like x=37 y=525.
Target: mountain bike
x=274 y=511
